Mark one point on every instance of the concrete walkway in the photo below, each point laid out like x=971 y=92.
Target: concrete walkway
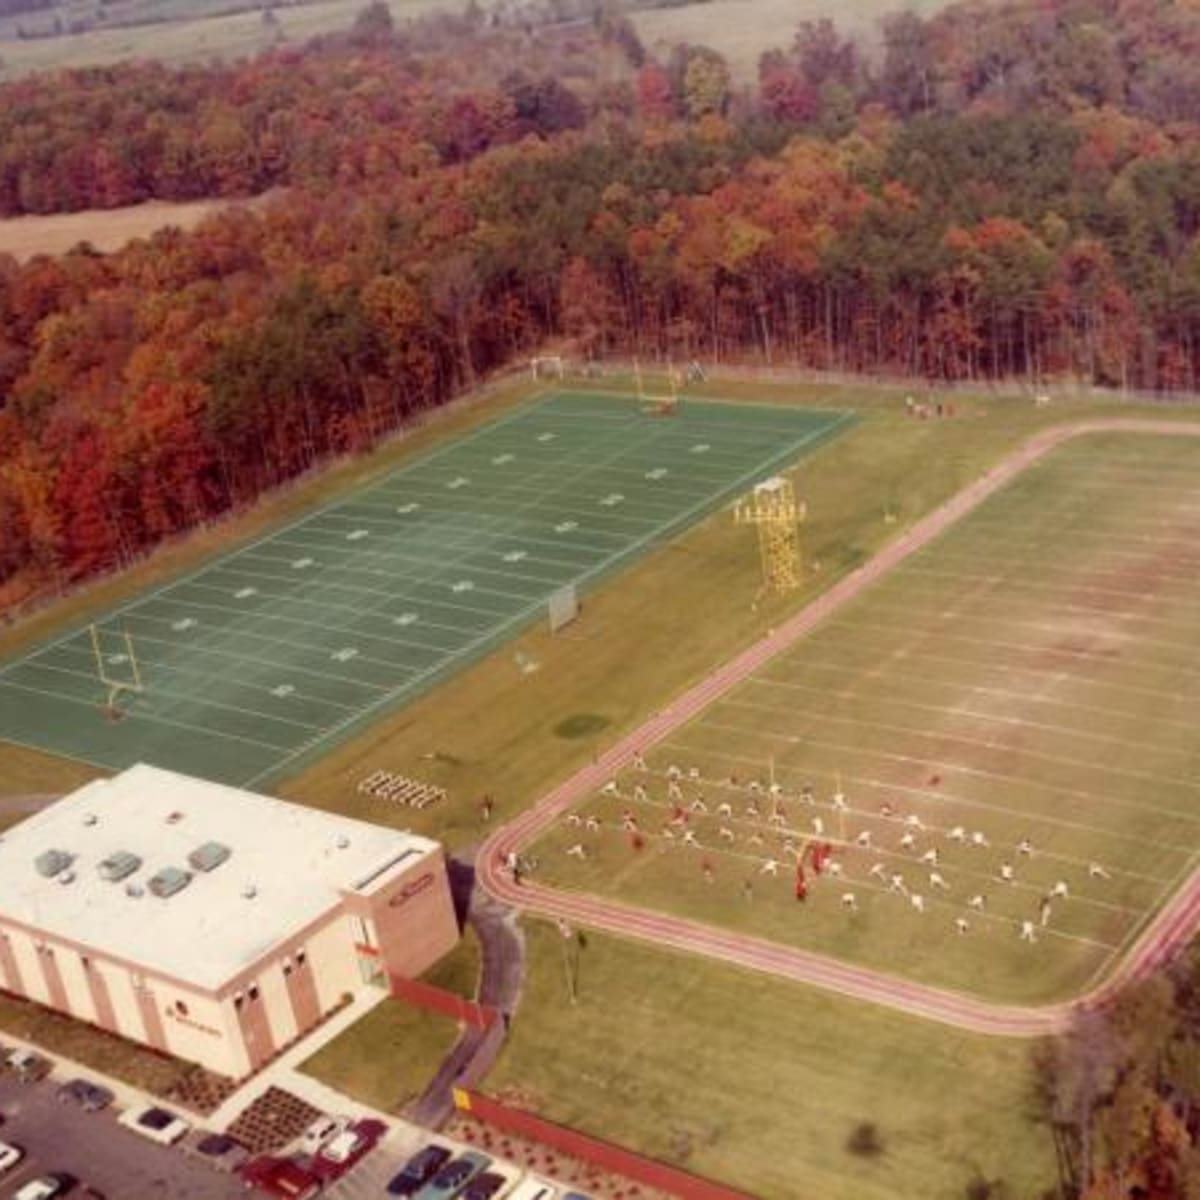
x=502 y=971
x=284 y=1073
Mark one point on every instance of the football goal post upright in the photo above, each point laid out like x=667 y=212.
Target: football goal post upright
x=547 y=366
x=128 y=676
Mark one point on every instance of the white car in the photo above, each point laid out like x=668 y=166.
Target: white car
x=322 y=1130
x=157 y=1124
x=46 y=1188
x=9 y=1156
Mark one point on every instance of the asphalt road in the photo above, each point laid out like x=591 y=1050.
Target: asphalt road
x=95 y=1149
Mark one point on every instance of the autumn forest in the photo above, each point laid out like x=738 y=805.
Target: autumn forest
x=1000 y=192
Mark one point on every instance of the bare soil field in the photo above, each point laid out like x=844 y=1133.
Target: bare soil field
x=104 y=230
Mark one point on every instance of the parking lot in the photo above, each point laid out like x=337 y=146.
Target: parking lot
x=92 y=1147
x=120 y=1165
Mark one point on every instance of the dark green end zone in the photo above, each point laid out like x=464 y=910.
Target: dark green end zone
x=297 y=640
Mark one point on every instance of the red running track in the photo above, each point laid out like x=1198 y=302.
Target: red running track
x=1173 y=926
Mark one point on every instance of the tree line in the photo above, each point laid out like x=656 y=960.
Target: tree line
x=458 y=192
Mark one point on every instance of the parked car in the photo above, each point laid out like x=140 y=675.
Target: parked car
x=9 y=1156
x=455 y=1176
x=91 y=1097
x=47 y=1187
x=342 y=1152
x=287 y=1178
x=219 y=1150
x=27 y=1066
x=488 y=1185
x=158 y=1124
x=419 y=1169
x=320 y=1131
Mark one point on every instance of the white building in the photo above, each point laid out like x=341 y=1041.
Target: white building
x=207 y=922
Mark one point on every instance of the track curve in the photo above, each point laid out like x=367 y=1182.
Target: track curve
x=1172 y=927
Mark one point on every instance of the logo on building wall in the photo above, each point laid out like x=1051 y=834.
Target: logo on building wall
x=413 y=888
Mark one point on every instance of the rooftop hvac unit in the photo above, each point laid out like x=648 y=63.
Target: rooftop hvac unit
x=119 y=865
x=209 y=856
x=50 y=862
x=168 y=881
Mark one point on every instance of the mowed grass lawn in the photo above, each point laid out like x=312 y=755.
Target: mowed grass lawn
x=767 y=1086
x=1028 y=678
x=387 y=1058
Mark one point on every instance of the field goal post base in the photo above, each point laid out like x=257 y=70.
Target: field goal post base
x=117 y=688
x=563 y=607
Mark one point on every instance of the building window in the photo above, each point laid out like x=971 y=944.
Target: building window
x=181 y=1008
x=287 y=966
x=238 y=999
x=85 y=962
x=301 y=956
x=252 y=991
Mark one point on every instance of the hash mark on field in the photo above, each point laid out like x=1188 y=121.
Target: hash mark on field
x=345 y=654
x=183 y=625
x=701 y=448
x=302 y=564
x=514 y=556
x=116 y=660
x=411 y=506
x=501 y=459
x=282 y=690
x=357 y=535
x=245 y=593
x=612 y=500
x=657 y=473
x=459 y=481
x=462 y=585
x=545 y=437
x=566 y=526
x=405 y=618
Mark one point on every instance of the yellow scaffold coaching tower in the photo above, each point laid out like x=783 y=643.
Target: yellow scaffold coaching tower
x=774 y=509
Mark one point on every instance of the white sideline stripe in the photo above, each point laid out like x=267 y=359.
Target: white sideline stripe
x=141 y=715
x=164 y=669
x=1054 y=674
x=855 y=695
x=405 y=597
x=909 y=677
x=1043 y=586
x=909 y=860
x=238 y=656
x=850 y=625
x=1098 y=561
x=959 y=768
x=943 y=735
x=356 y=613
x=184 y=646
x=275 y=618
x=191 y=697
x=710 y=849
x=943 y=799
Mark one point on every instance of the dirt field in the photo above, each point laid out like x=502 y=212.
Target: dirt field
x=106 y=231
x=742 y=29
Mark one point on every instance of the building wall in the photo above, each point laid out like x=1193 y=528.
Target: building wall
x=407 y=921
x=411 y=916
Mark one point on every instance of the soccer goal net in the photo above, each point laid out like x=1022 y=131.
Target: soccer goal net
x=563 y=607
x=548 y=366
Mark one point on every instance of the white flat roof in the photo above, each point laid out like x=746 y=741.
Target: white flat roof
x=297 y=860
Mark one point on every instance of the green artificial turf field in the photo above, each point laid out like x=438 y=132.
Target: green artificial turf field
x=1028 y=677
x=269 y=654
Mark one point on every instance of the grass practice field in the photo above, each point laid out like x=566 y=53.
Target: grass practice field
x=782 y=1091
x=273 y=651
x=1030 y=676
